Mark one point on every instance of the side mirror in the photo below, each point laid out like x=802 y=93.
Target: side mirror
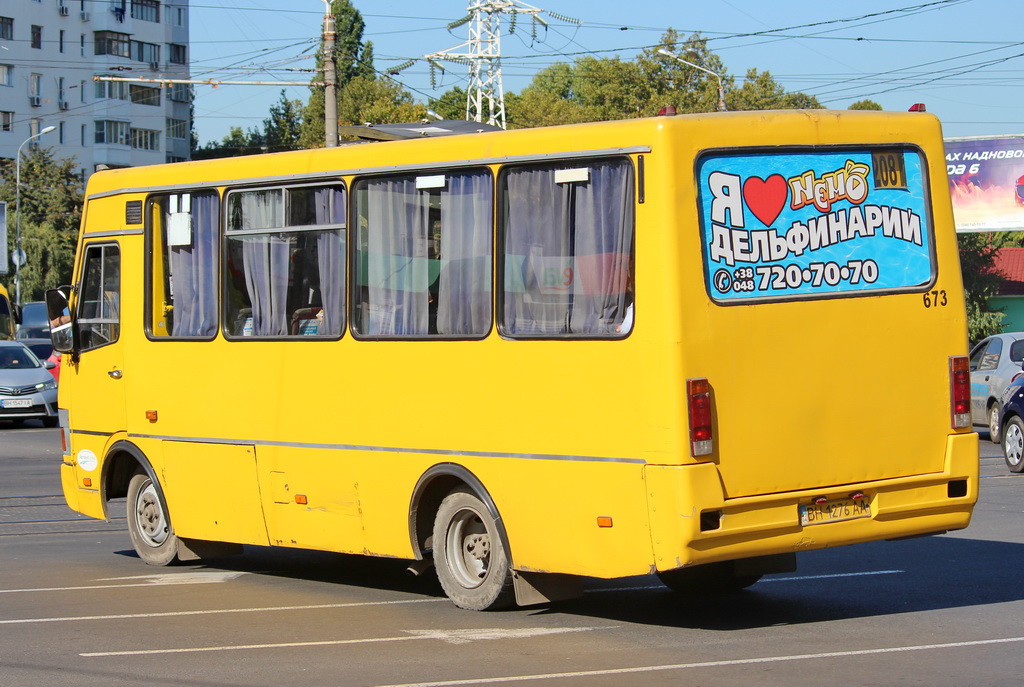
x=58 y=310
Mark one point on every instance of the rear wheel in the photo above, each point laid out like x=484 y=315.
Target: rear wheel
x=710 y=578
x=472 y=564
x=993 y=422
x=148 y=522
x=1013 y=444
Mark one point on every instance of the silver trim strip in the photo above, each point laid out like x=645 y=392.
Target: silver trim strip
x=390 y=449
x=105 y=234
x=335 y=174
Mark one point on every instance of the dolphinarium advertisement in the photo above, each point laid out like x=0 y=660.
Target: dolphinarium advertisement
x=814 y=224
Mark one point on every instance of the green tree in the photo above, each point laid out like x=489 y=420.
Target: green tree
x=760 y=91
x=452 y=104
x=51 y=211
x=237 y=142
x=281 y=131
x=981 y=279
x=865 y=105
x=378 y=101
x=674 y=82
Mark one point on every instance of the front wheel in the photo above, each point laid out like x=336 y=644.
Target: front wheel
x=1013 y=444
x=472 y=564
x=149 y=524
x=993 y=422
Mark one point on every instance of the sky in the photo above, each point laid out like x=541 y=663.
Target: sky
x=964 y=59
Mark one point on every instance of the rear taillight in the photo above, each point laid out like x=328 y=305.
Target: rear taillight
x=960 y=391
x=698 y=393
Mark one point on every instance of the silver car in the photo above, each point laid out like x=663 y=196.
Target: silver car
x=27 y=389
x=995 y=361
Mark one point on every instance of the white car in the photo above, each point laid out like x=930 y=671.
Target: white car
x=27 y=389
x=995 y=361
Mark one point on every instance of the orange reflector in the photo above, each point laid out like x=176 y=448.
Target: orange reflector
x=63 y=440
x=604 y=521
x=301 y=499
x=151 y=415
x=87 y=482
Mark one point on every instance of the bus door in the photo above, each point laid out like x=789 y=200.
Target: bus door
x=92 y=387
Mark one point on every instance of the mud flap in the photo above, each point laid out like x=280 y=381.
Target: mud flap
x=537 y=588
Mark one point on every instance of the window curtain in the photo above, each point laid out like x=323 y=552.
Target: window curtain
x=265 y=262
x=464 y=288
x=195 y=272
x=396 y=271
x=330 y=209
x=568 y=251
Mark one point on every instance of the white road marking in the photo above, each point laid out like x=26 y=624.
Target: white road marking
x=145 y=581
x=171 y=614
x=708 y=664
x=452 y=636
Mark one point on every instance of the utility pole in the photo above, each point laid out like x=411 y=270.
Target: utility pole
x=330 y=80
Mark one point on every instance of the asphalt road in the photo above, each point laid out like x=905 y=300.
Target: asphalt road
x=77 y=607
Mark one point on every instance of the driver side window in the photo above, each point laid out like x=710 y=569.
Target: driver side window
x=99 y=304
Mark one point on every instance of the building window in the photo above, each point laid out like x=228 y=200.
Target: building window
x=178 y=55
x=81 y=91
x=179 y=93
x=145 y=139
x=60 y=41
x=60 y=133
x=144 y=95
x=34 y=127
x=6 y=71
x=7 y=28
x=81 y=44
x=37 y=37
x=113 y=43
x=145 y=52
x=177 y=128
x=146 y=10
x=6 y=121
x=108 y=131
x=35 y=84
x=115 y=90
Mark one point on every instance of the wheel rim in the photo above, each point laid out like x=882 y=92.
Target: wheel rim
x=149 y=516
x=1013 y=444
x=993 y=421
x=468 y=544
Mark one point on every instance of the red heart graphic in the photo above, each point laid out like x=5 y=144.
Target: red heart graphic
x=765 y=197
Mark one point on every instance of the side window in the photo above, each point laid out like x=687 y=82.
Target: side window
x=990 y=360
x=285 y=262
x=183 y=254
x=422 y=263
x=567 y=258
x=99 y=304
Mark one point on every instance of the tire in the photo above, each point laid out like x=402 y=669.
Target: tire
x=1013 y=444
x=471 y=562
x=149 y=524
x=994 y=411
x=710 y=578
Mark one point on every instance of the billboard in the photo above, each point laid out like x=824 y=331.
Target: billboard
x=986 y=182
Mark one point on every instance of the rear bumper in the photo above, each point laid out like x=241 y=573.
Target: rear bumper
x=692 y=522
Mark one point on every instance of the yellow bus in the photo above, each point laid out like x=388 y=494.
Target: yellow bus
x=7 y=319
x=661 y=345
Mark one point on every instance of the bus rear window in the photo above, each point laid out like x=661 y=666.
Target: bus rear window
x=814 y=224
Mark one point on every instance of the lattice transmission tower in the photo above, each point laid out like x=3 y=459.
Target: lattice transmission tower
x=485 y=97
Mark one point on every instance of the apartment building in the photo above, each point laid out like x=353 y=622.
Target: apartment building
x=51 y=52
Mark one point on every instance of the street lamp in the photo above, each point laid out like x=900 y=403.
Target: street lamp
x=17 y=199
x=721 y=91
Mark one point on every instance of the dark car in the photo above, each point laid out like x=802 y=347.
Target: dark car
x=34 y=322
x=1012 y=423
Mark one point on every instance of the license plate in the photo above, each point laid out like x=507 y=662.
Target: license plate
x=16 y=403
x=834 y=511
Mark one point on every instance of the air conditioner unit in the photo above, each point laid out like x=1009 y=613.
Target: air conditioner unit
x=35 y=100
x=62 y=104
x=84 y=16
x=64 y=11
x=155 y=66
